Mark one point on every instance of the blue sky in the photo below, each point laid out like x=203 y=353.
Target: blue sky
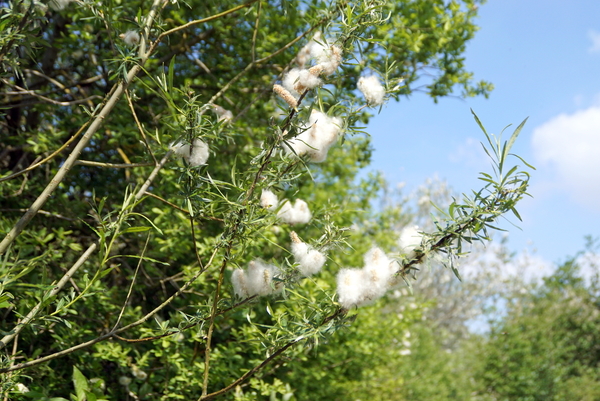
x=544 y=60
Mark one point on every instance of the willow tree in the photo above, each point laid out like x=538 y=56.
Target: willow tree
x=179 y=180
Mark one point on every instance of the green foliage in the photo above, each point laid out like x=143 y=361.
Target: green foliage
x=546 y=346
x=120 y=286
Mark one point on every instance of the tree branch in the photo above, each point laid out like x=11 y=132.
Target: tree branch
x=92 y=129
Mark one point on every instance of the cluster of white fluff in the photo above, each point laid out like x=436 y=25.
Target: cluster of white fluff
x=372 y=89
x=410 y=238
x=196 y=155
x=131 y=38
x=269 y=200
x=222 y=113
x=310 y=261
x=322 y=132
x=125 y=381
x=328 y=57
x=21 y=388
x=297 y=80
x=256 y=280
x=138 y=373
x=298 y=213
x=358 y=287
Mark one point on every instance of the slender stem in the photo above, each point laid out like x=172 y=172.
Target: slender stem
x=61 y=283
x=79 y=262
x=91 y=130
x=264 y=163
x=174 y=206
x=137 y=269
x=111 y=165
x=249 y=373
x=56 y=152
x=23 y=91
x=256 y=23
x=44 y=213
x=112 y=332
x=139 y=125
x=200 y=21
x=211 y=326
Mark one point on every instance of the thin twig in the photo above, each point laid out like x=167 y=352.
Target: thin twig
x=111 y=333
x=23 y=91
x=50 y=79
x=137 y=269
x=174 y=206
x=52 y=155
x=112 y=165
x=42 y=212
x=80 y=261
x=189 y=326
x=139 y=125
x=248 y=374
x=199 y=21
x=91 y=130
x=236 y=226
x=213 y=315
x=31 y=315
x=256 y=31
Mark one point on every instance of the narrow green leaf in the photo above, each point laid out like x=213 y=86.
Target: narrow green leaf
x=190 y=207
x=502 y=158
x=514 y=136
x=456 y=273
x=487 y=152
x=451 y=209
x=80 y=383
x=510 y=172
x=140 y=257
x=516 y=213
x=486 y=180
x=443 y=212
x=149 y=221
x=520 y=158
x=233 y=168
x=136 y=229
x=171 y=74
x=484 y=131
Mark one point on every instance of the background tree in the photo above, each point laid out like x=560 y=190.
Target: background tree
x=545 y=348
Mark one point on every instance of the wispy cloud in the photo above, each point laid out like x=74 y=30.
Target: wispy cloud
x=470 y=154
x=570 y=143
x=595 y=38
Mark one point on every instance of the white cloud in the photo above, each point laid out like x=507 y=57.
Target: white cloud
x=571 y=144
x=595 y=38
x=469 y=153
